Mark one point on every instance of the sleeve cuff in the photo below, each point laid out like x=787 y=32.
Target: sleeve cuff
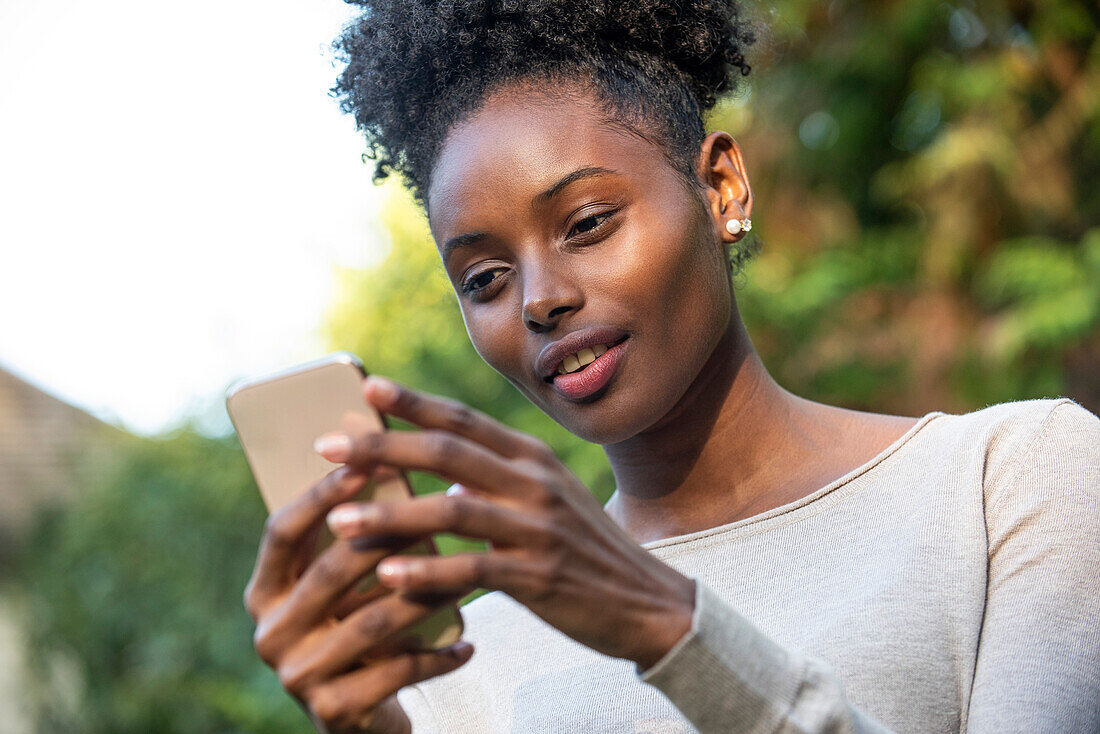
x=725 y=674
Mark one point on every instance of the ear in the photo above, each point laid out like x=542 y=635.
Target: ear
x=721 y=169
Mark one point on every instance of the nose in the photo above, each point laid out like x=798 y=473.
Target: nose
x=547 y=297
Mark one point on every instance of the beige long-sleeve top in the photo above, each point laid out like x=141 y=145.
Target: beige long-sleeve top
x=951 y=583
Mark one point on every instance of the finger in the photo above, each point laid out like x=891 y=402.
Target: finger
x=451 y=574
x=431 y=411
x=366 y=632
x=350 y=700
x=307 y=549
x=328 y=579
x=367 y=589
x=450 y=456
x=466 y=515
x=287 y=528
x=410 y=639
x=387 y=716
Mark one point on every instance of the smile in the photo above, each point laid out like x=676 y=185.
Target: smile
x=583 y=358
x=583 y=374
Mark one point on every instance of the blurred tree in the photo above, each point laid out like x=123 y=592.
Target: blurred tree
x=140 y=584
x=927 y=179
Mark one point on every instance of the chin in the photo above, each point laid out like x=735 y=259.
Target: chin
x=600 y=432
x=609 y=419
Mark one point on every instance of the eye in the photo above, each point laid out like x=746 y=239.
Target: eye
x=479 y=282
x=591 y=223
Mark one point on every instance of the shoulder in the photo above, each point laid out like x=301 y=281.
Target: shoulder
x=1052 y=435
x=1045 y=430
x=1041 y=457
x=1038 y=655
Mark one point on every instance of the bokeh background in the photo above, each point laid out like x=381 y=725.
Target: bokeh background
x=927 y=185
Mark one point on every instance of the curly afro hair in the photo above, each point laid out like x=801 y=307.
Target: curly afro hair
x=414 y=68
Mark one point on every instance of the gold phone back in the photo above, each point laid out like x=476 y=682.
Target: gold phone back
x=278 y=417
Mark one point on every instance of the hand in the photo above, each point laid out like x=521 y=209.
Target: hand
x=552 y=546
x=338 y=652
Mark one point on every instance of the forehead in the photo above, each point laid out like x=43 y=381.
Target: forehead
x=518 y=143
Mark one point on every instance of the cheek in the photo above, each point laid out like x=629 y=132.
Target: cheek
x=675 y=277
x=493 y=335
x=700 y=286
x=680 y=301
x=702 y=289
x=499 y=338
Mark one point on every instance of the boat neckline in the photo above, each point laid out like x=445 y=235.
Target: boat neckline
x=802 y=502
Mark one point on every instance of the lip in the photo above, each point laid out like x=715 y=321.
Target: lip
x=552 y=354
x=590 y=381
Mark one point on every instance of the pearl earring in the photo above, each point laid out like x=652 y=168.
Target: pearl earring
x=734 y=226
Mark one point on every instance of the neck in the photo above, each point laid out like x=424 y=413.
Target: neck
x=721 y=454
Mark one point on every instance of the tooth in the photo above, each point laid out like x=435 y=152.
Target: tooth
x=599 y=349
x=571 y=364
x=586 y=356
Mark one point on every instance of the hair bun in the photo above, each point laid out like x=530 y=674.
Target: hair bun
x=704 y=40
x=414 y=67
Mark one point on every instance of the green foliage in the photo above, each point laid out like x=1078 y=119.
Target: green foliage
x=141 y=582
x=926 y=181
x=1046 y=296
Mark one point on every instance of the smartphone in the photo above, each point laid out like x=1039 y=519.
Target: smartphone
x=277 y=417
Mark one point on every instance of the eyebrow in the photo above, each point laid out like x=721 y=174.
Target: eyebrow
x=462 y=240
x=471 y=238
x=576 y=175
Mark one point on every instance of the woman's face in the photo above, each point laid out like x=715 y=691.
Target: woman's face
x=563 y=234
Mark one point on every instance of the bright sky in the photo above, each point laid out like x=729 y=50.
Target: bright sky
x=175 y=187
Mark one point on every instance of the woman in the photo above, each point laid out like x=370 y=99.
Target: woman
x=767 y=563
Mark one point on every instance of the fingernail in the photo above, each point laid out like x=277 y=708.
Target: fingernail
x=360 y=514
x=343 y=516
x=334 y=447
x=391 y=571
x=382 y=388
x=462 y=650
